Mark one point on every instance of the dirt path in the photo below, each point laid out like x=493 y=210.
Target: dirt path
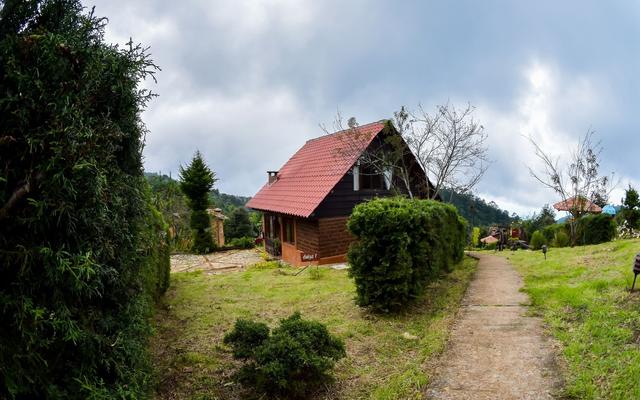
x=496 y=351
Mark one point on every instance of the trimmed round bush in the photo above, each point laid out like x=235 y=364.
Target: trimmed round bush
x=402 y=244
x=537 y=240
x=293 y=360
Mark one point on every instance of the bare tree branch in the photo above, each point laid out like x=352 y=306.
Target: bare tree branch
x=578 y=183
x=450 y=146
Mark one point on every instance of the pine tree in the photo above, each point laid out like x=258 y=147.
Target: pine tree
x=631 y=208
x=196 y=181
x=238 y=225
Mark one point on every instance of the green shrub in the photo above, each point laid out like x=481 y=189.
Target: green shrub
x=82 y=253
x=246 y=337
x=295 y=359
x=475 y=237
x=596 y=228
x=550 y=231
x=238 y=224
x=491 y=246
x=537 y=240
x=243 y=242
x=561 y=239
x=402 y=245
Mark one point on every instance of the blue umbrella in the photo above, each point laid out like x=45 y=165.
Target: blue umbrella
x=609 y=209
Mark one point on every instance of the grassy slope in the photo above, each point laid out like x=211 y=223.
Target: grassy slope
x=582 y=293
x=381 y=363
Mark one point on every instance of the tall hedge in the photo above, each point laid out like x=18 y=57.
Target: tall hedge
x=596 y=228
x=401 y=246
x=82 y=252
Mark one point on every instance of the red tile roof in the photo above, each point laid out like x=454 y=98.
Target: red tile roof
x=583 y=205
x=308 y=177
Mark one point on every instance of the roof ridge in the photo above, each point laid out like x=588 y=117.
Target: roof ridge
x=348 y=129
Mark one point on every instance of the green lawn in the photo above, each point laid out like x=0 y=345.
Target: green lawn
x=387 y=356
x=582 y=293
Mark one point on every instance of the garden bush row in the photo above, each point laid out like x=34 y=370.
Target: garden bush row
x=591 y=229
x=402 y=244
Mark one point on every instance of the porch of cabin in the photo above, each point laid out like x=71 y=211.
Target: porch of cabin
x=306 y=241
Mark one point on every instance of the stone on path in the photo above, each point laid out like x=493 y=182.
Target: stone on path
x=496 y=351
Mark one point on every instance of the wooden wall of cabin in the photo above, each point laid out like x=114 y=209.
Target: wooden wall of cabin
x=342 y=198
x=334 y=239
x=307 y=237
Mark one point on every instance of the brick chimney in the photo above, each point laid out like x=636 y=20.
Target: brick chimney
x=273 y=176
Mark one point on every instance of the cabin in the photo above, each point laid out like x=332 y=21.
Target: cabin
x=307 y=202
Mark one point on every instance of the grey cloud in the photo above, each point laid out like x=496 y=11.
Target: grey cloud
x=247 y=82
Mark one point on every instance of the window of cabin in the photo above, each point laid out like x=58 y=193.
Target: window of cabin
x=289 y=231
x=370 y=178
x=267 y=227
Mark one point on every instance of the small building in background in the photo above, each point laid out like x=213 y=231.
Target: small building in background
x=217 y=225
x=578 y=203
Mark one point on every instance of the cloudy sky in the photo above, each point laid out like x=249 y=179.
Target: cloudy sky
x=247 y=82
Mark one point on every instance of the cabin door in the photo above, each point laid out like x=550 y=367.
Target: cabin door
x=272 y=240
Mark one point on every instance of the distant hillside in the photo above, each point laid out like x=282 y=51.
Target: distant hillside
x=476 y=210
x=227 y=201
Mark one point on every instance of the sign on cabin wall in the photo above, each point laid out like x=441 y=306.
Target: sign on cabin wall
x=308 y=257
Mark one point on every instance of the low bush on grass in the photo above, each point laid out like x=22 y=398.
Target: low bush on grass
x=537 y=240
x=401 y=246
x=291 y=361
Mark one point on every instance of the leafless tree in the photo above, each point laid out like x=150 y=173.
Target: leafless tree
x=448 y=144
x=576 y=180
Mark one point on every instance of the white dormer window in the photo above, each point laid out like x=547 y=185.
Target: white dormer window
x=356 y=176
x=388 y=177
